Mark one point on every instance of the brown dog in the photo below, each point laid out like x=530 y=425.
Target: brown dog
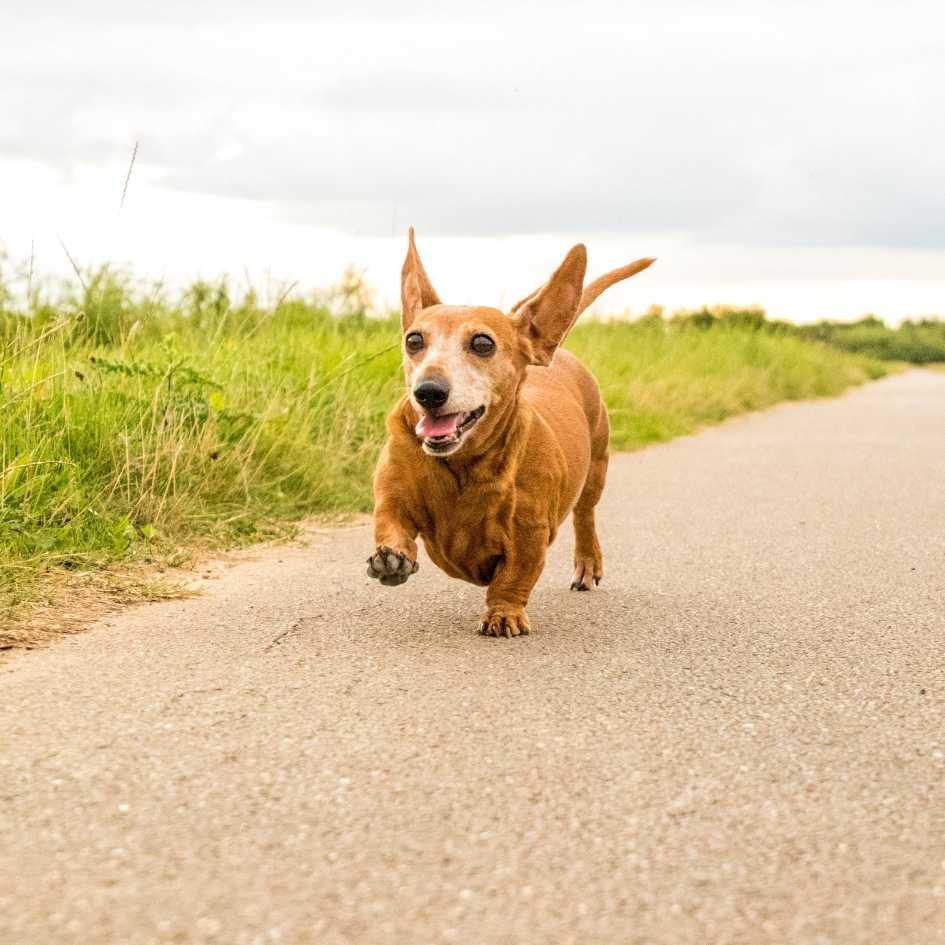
x=500 y=437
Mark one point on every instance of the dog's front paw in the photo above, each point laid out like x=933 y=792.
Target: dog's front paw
x=504 y=620
x=390 y=567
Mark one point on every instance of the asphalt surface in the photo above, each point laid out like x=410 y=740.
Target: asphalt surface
x=738 y=738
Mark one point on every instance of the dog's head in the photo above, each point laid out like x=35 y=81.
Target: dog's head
x=464 y=365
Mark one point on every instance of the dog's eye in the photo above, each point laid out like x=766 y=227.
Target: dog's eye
x=482 y=345
x=414 y=342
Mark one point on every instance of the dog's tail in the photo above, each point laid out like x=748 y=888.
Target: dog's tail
x=598 y=286
x=604 y=282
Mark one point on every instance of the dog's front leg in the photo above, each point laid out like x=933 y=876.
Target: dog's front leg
x=512 y=584
x=395 y=547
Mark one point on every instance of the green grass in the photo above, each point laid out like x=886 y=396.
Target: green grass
x=133 y=426
x=661 y=381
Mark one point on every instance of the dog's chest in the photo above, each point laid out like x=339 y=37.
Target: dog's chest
x=468 y=536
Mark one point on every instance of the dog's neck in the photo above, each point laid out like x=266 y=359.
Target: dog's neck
x=500 y=449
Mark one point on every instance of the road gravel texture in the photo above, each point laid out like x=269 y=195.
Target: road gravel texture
x=738 y=738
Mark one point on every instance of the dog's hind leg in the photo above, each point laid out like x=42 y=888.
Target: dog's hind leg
x=588 y=561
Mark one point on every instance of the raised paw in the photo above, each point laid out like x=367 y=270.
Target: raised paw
x=586 y=570
x=390 y=567
x=504 y=620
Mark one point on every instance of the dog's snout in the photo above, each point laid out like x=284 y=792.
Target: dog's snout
x=432 y=392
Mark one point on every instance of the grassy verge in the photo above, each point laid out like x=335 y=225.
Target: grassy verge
x=662 y=381
x=133 y=428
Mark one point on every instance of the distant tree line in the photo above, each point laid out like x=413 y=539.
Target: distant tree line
x=919 y=341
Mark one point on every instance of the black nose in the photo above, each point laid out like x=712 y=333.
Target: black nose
x=432 y=393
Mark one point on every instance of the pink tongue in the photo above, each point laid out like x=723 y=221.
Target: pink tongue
x=438 y=426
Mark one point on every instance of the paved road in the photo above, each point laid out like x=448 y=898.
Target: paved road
x=739 y=738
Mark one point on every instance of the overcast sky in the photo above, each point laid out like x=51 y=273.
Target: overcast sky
x=788 y=153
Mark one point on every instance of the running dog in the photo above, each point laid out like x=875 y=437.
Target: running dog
x=500 y=435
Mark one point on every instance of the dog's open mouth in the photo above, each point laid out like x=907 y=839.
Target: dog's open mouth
x=443 y=433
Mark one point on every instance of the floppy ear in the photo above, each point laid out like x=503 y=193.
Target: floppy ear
x=545 y=316
x=416 y=291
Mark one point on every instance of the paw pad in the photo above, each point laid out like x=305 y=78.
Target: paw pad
x=389 y=567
